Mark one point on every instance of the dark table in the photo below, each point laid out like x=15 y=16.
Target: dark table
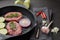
x=53 y=4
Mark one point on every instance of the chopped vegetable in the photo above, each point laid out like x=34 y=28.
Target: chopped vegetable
x=2 y=19
x=3 y=31
x=2 y=25
x=55 y=29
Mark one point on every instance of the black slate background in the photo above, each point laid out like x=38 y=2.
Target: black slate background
x=53 y=4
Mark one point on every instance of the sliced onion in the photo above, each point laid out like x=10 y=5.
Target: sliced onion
x=25 y=22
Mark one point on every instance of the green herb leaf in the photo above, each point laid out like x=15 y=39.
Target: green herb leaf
x=12 y=15
x=12 y=25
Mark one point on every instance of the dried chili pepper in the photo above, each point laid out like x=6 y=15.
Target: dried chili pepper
x=43 y=15
x=37 y=14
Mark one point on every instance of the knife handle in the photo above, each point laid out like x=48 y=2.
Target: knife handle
x=37 y=34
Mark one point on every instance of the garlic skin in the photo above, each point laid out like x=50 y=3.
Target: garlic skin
x=55 y=30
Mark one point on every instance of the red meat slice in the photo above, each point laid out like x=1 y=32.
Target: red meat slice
x=16 y=32
x=13 y=18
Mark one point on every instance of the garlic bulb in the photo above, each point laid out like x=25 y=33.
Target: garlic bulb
x=55 y=29
x=45 y=29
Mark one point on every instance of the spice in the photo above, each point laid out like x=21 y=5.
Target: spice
x=12 y=15
x=12 y=25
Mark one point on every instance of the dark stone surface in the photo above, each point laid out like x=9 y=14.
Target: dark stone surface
x=53 y=4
